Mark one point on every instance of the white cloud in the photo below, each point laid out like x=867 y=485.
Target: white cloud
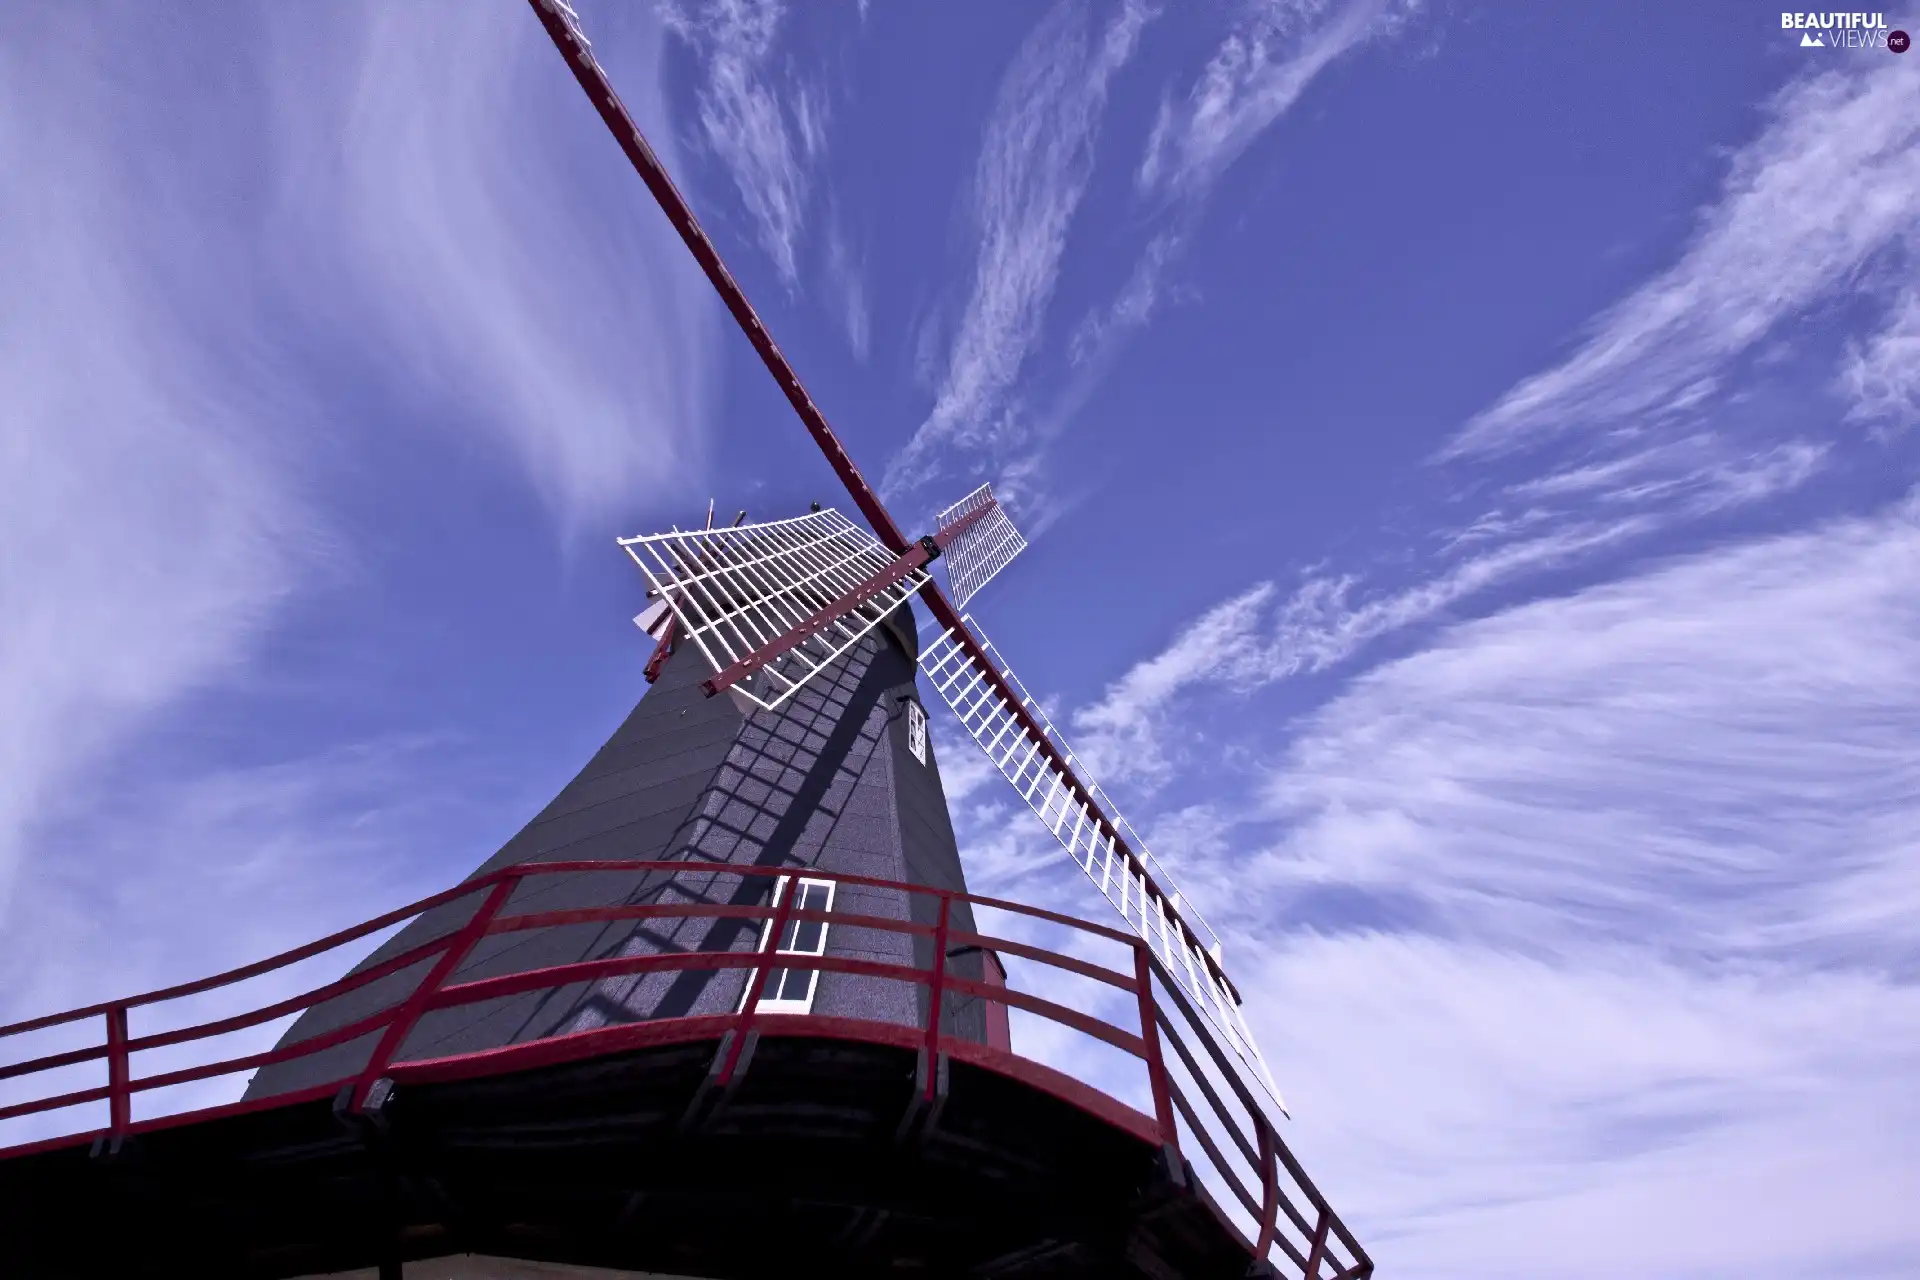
x=1258 y=72
x=1597 y=911
x=1647 y=437
x=213 y=264
x=484 y=228
x=189 y=870
x=1695 y=473
x=1243 y=644
x=1101 y=331
x=1473 y=1111
x=146 y=526
x=1616 y=490
x=1881 y=376
x=1656 y=842
x=1033 y=171
x=244 y=846
x=766 y=146
x=1833 y=181
x=846 y=289
x=1604 y=507
x=1586 y=943
x=1124 y=734
x=1600 y=910
x=1322 y=624
x=1760 y=704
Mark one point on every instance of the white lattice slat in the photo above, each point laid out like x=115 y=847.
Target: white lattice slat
x=987 y=546
x=981 y=710
x=733 y=591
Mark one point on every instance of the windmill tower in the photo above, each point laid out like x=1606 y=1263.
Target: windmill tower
x=726 y=1007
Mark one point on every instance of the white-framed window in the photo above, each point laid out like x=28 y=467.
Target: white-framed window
x=791 y=990
x=917 y=730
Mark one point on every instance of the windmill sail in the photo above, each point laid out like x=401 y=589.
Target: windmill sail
x=809 y=587
x=987 y=543
x=1031 y=754
x=771 y=606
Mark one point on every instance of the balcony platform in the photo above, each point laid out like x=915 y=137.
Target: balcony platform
x=821 y=1158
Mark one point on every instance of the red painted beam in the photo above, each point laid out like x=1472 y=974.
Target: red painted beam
x=586 y=69
x=903 y=564
x=286 y=958
x=418 y=1000
x=944 y=538
x=662 y=650
x=1150 y=1049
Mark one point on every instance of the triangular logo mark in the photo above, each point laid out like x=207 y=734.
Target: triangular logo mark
x=1812 y=41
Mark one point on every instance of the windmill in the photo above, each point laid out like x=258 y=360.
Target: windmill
x=725 y=1007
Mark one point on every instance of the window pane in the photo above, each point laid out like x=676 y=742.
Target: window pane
x=808 y=937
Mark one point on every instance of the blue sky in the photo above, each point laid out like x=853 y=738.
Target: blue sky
x=1469 y=453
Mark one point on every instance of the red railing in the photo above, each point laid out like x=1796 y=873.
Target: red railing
x=1265 y=1181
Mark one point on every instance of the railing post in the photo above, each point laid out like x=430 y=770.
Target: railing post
x=119 y=1094
x=936 y=990
x=757 y=979
x=1150 y=1039
x=458 y=945
x=1270 y=1196
x=1319 y=1249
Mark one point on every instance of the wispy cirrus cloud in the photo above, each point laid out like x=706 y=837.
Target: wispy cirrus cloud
x=147 y=525
x=1644 y=428
x=1033 y=171
x=1266 y=61
x=1649 y=424
x=1881 y=375
x=1620 y=878
x=1259 y=71
x=243 y=862
x=1260 y=637
x=846 y=291
x=1598 y=908
x=245 y=845
x=582 y=347
x=1695 y=472
x=1833 y=181
x=218 y=265
x=1756 y=699
x=1673 y=810
x=1484 y=1112
x=767 y=134
x=1124 y=734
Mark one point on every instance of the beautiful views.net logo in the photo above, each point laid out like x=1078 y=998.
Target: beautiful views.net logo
x=1845 y=31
